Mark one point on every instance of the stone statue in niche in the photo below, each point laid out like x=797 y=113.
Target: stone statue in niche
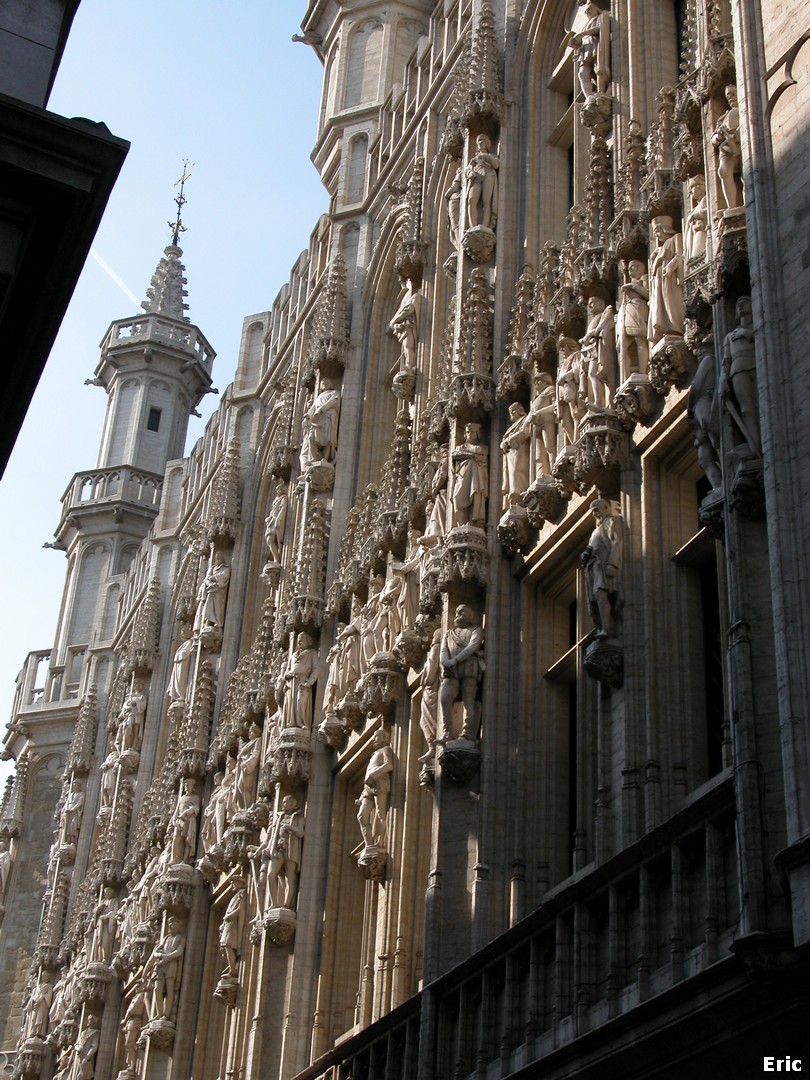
x=211 y=597
x=667 y=311
x=462 y=664
x=38 y=1007
x=5 y=869
x=602 y=562
x=453 y=198
x=212 y=829
x=180 y=678
x=183 y=823
x=436 y=510
x=598 y=355
x=70 y=820
x=515 y=450
x=130 y=720
x=134 y=1019
x=320 y=425
x=429 y=682
x=373 y=801
x=703 y=414
x=84 y=1055
x=246 y=771
x=299 y=678
x=108 y=771
x=230 y=932
x=408 y=573
x=405 y=327
x=333 y=690
x=634 y=317
x=543 y=416
x=282 y=854
x=694 y=230
x=482 y=185
x=351 y=659
x=726 y=140
x=592 y=50
x=276 y=521
x=388 y=618
x=104 y=918
x=738 y=378
x=163 y=968
x=470 y=480
x=569 y=378
x=371 y=641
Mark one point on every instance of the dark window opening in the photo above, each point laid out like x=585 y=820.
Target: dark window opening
x=572 y=776
x=713 y=673
x=153 y=420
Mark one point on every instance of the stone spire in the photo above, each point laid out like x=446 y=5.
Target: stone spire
x=165 y=295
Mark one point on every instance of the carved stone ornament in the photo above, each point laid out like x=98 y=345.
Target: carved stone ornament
x=671 y=364
x=373 y=863
x=159 y=1032
x=409 y=649
x=478 y=243
x=564 y=473
x=350 y=711
x=604 y=661
x=747 y=493
x=543 y=501
x=470 y=395
x=596 y=111
x=30 y=1058
x=459 y=759
x=514 y=530
x=177 y=889
x=465 y=558
x=712 y=515
x=293 y=755
x=279 y=926
x=382 y=684
x=227 y=990
x=601 y=450
x=93 y=986
x=320 y=475
x=636 y=402
x=333 y=732
x=404 y=385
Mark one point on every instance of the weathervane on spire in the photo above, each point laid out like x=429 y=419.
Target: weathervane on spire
x=177 y=226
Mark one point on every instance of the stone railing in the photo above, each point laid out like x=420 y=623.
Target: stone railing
x=600 y=944
x=153 y=327
x=120 y=483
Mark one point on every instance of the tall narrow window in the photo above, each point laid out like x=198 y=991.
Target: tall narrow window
x=153 y=420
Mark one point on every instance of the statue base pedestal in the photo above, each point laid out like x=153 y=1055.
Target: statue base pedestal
x=409 y=649
x=636 y=402
x=747 y=485
x=711 y=513
x=226 y=990
x=30 y=1058
x=320 y=476
x=129 y=760
x=604 y=661
x=672 y=363
x=127 y=1074
x=211 y=638
x=333 y=732
x=543 y=501
x=160 y=1033
x=514 y=531
x=373 y=862
x=478 y=243
x=351 y=713
x=459 y=759
x=271 y=574
x=279 y=925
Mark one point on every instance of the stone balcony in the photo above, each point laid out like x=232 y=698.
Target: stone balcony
x=152 y=327
x=119 y=484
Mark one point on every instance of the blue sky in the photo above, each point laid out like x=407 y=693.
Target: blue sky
x=224 y=86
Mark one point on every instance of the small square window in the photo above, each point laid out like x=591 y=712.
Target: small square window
x=153 y=421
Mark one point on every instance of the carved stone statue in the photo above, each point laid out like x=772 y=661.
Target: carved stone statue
x=351 y=664
x=276 y=521
x=543 y=416
x=212 y=828
x=569 y=378
x=180 y=677
x=667 y=311
x=211 y=596
x=162 y=970
x=738 y=377
x=373 y=801
x=134 y=1019
x=482 y=185
x=462 y=665
x=407 y=573
x=282 y=854
x=71 y=817
x=108 y=772
x=470 y=480
x=694 y=230
x=130 y=720
x=371 y=632
x=105 y=921
x=429 y=681
x=38 y=1008
x=183 y=823
x=246 y=771
x=230 y=932
x=592 y=50
x=515 y=449
x=634 y=317
x=320 y=425
x=5 y=869
x=726 y=140
x=703 y=414
x=598 y=354
x=299 y=678
x=602 y=561
x=405 y=327
x=453 y=198
x=436 y=510
x=84 y=1056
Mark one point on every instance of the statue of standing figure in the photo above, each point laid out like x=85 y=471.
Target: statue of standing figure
x=373 y=801
x=738 y=377
x=667 y=308
x=569 y=407
x=283 y=854
x=726 y=140
x=592 y=50
x=320 y=425
x=230 y=932
x=276 y=521
x=162 y=970
x=634 y=317
x=598 y=355
x=470 y=480
x=482 y=185
x=405 y=327
x=130 y=720
x=516 y=453
x=180 y=677
x=601 y=562
x=183 y=823
x=462 y=664
x=697 y=220
x=71 y=817
x=543 y=416
x=299 y=678
x=703 y=414
x=211 y=597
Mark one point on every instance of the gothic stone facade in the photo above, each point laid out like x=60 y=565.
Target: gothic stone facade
x=444 y=712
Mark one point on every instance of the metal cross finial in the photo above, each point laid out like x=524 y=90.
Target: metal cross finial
x=177 y=226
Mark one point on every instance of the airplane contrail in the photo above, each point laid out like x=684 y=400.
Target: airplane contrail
x=121 y=285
